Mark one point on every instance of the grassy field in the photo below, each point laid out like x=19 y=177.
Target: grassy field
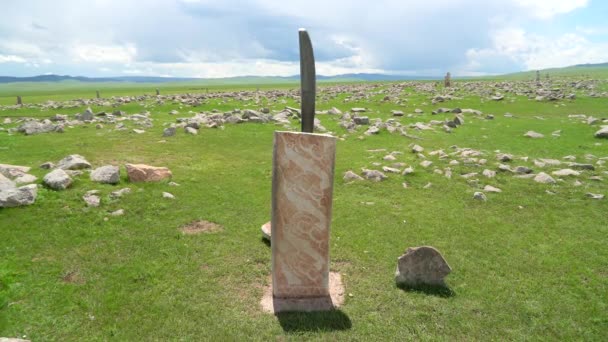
x=531 y=263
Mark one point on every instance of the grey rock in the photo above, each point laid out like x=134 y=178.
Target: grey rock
x=580 y=166
x=421 y=266
x=523 y=170
x=374 y=175
x=544 y=178
x=191 y=130
x=36 y=127
x=594 y=196
x=91 y=198
x=169 y=132
x=57 y=179
x=417 y=149
x=602 y=133
x=351 y=176
x=107 y=174
x=120 y=193
x=533 y=135
x=5 y=183
x=489 y=188
x=73 y=162
x=25 y=179
x=361 y=120
x=565 y=172
x=266 y=230
x=168 y=195
x=15 y=197
x=480 y=196
x=118 y=212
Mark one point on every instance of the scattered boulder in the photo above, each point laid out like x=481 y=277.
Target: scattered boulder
x=565 y=172
x=107 y=174
x=25 y=179
x=602 y=133
x=169 y=132
x=594 y=196
x=544 y=178
x=489 y=188
x=480 y=196
x=13 y=171
x=533 y=135
x=57 y=179
x=91 y=198
x=120 y=193
x=73 y=162
x=5 y=183
x=15 y=197
x=421 y=266
x=374 y=175
x=168 y=195
x=147 y=173
x=351 y=176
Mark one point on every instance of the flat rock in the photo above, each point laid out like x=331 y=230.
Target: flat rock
x=565 y=172
x=351 y=176
x=489 y=188
x=169 y=132
x=544 y=178
x=6 y=184
x=120 y=193
x=168 y=195
x=533 y=135
x=374 y=175
x=107 y=174
x=421 y=266
x=147 y=173
x=25 y=179
x=57 y=179
x=12 y=171
x=15 y=197
x=426 y=163
x=73 y=162
x=489 y=173
x=594 y=196
x=91 y=198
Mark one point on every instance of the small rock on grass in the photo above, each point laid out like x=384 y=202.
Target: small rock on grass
x=266 y=230
x=107 y=174
x=374 y=175
x=120 y=193
x=118 y=212
x=489 y=188
x=594 y=196
x=544 y=178
x=421 y=266
x=480 y=196
x=351 y=176
x=168 y=195
x=534 y=135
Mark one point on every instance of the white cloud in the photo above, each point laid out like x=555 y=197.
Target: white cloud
x=104 y=54
x=537 y=52
x=12 y=58
x=546 y=9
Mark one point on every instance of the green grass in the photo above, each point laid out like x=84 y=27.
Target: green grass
x=526 y=264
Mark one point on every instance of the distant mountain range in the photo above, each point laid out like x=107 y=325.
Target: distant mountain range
x=239 y=79
x=574 y=69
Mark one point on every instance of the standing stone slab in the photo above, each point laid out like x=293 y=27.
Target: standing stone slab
x=302 y=187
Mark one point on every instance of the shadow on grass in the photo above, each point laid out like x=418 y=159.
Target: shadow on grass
x=314 y=321
x=443 y=291
x=265 y=241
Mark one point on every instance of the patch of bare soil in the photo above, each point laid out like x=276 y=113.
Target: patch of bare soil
x=73 y=277
x=202 y=226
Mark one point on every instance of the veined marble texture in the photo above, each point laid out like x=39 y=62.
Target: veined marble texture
x=302 y=189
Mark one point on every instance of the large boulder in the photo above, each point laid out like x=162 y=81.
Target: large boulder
x=36 y=127
x=15 y=197
x=73 y=162
x=13 y=171
x=421 y=266
x=147 y=173
x=6 y=184
x=544 y=178
x=107 y=174
x=57 y=179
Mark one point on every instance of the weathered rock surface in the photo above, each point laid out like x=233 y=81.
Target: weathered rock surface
x=602 y=133
x=120 y=193
x=57 y=179
x=91 y=198
x=565 y=172
x=533 y=135
x=107 y=174
x=266 y=230
x=15 y=197
x=544 y=178
x=351 y=176
x=147 y=173
x=73 y=162
x=421 y=266
x=374 y=175
x=480 y=196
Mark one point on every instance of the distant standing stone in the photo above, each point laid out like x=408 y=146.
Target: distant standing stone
x=57 y=179
x=107 y=174
x=421 y=266
x=147 y=173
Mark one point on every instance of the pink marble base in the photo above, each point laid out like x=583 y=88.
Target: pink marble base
x=334 y=300
x=302 y=186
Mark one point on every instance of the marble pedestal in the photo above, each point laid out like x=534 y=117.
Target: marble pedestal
x=302 y=187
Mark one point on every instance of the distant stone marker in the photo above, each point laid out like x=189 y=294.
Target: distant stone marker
x=19 y=101
x=157 y=92
x=97 y=93
x=537 y=76
x=447 y=82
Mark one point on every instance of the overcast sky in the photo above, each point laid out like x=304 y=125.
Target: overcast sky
x=222 y=38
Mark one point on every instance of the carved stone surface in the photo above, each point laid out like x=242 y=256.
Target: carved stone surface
x=302 y=186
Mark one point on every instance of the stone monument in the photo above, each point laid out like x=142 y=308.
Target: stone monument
x=302 y=192
x=97 y=93
x=19 y=102
x=447 y=82
x=157 y=92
